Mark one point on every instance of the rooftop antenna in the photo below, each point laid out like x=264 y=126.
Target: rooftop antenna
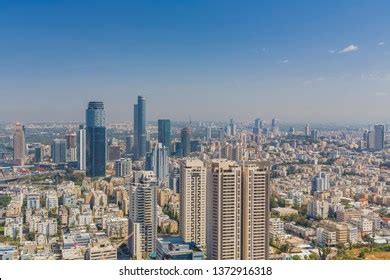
x=190 y=121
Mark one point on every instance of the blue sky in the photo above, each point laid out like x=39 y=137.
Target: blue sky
x=294 y=60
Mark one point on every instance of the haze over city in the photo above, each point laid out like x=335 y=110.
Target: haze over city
x=295 y=60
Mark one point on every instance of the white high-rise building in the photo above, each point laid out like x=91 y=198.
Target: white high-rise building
x=320 y=182
x=81 y=148
x=255 y=210
x=224 y=211
x=143 y=218
x=123 y=167
x=237 y=210
x=193 y=201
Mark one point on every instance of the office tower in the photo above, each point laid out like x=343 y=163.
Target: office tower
x=71 y=139
x=114 y=152
x=19 y=144
x=38 y=154
x=164 y=133
x=123 y=167
x=58 y=151
x=224 y=211
x=258 y=126
x=221 y=135
x=314 y=135
x=237 y=210
x=259 y=123
x=186 y=141
x=193 y=201
x=371 y=140
x=228 y=131
x=208 y=132
x=174 y=177
x=140 y=128
x=255 y=210
x=379 y=131
x=233 y=128
x=129 y=144
x=96 y=141
x=158 y=161
x=320 y=182
x=275 y=125
x=307 y=129
x=142 y=217
x=81 y=148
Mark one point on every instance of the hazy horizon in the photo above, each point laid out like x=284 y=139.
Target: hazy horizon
x=298 y=61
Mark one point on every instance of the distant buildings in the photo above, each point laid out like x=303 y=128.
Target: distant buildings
x=19 y=145
x=186 y=141
x=376 y=139
x=123 y=167
x=58 y=151
x=140 y=128
x=157 y=160
x=81 y=148
x=320 y=182
x=96 y=140
x=164 y=134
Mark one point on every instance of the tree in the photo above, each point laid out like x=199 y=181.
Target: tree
x=296 y=258
x=323 y=252
x=362 y=254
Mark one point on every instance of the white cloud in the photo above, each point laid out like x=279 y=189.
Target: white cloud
x=381 y=43
x=284 y=61
x=377 y=76
x=331 y=51
x=350 y=48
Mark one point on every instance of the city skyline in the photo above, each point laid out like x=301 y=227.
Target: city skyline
x=310 y=66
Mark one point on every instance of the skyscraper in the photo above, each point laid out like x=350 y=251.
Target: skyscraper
x=307 y=129
x=81 y=148
x=164 y=133
x=71 y=146
x=209 y=132
x=224 y=211
x=140 y=128
x=58 y=151
x=275 y=125
x=233 y=127
x=186 y=141
x=379 y=131
x=314 y=135
x=255 y=210
x=142 y=218
x=320 y=182
x=193 y=201
x=129 y=144
x=157 y=160
x=123 y=167
x=237 y=210
x=96 y=141
x=19 y=144
x=258 y=126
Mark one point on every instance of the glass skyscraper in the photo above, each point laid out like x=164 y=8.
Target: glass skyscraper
x=164 y=133
x=96 y=140
x=186 y=141
x=140 y=128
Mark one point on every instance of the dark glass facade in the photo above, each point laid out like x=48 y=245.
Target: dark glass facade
x=96 y=141
x=164 y=133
